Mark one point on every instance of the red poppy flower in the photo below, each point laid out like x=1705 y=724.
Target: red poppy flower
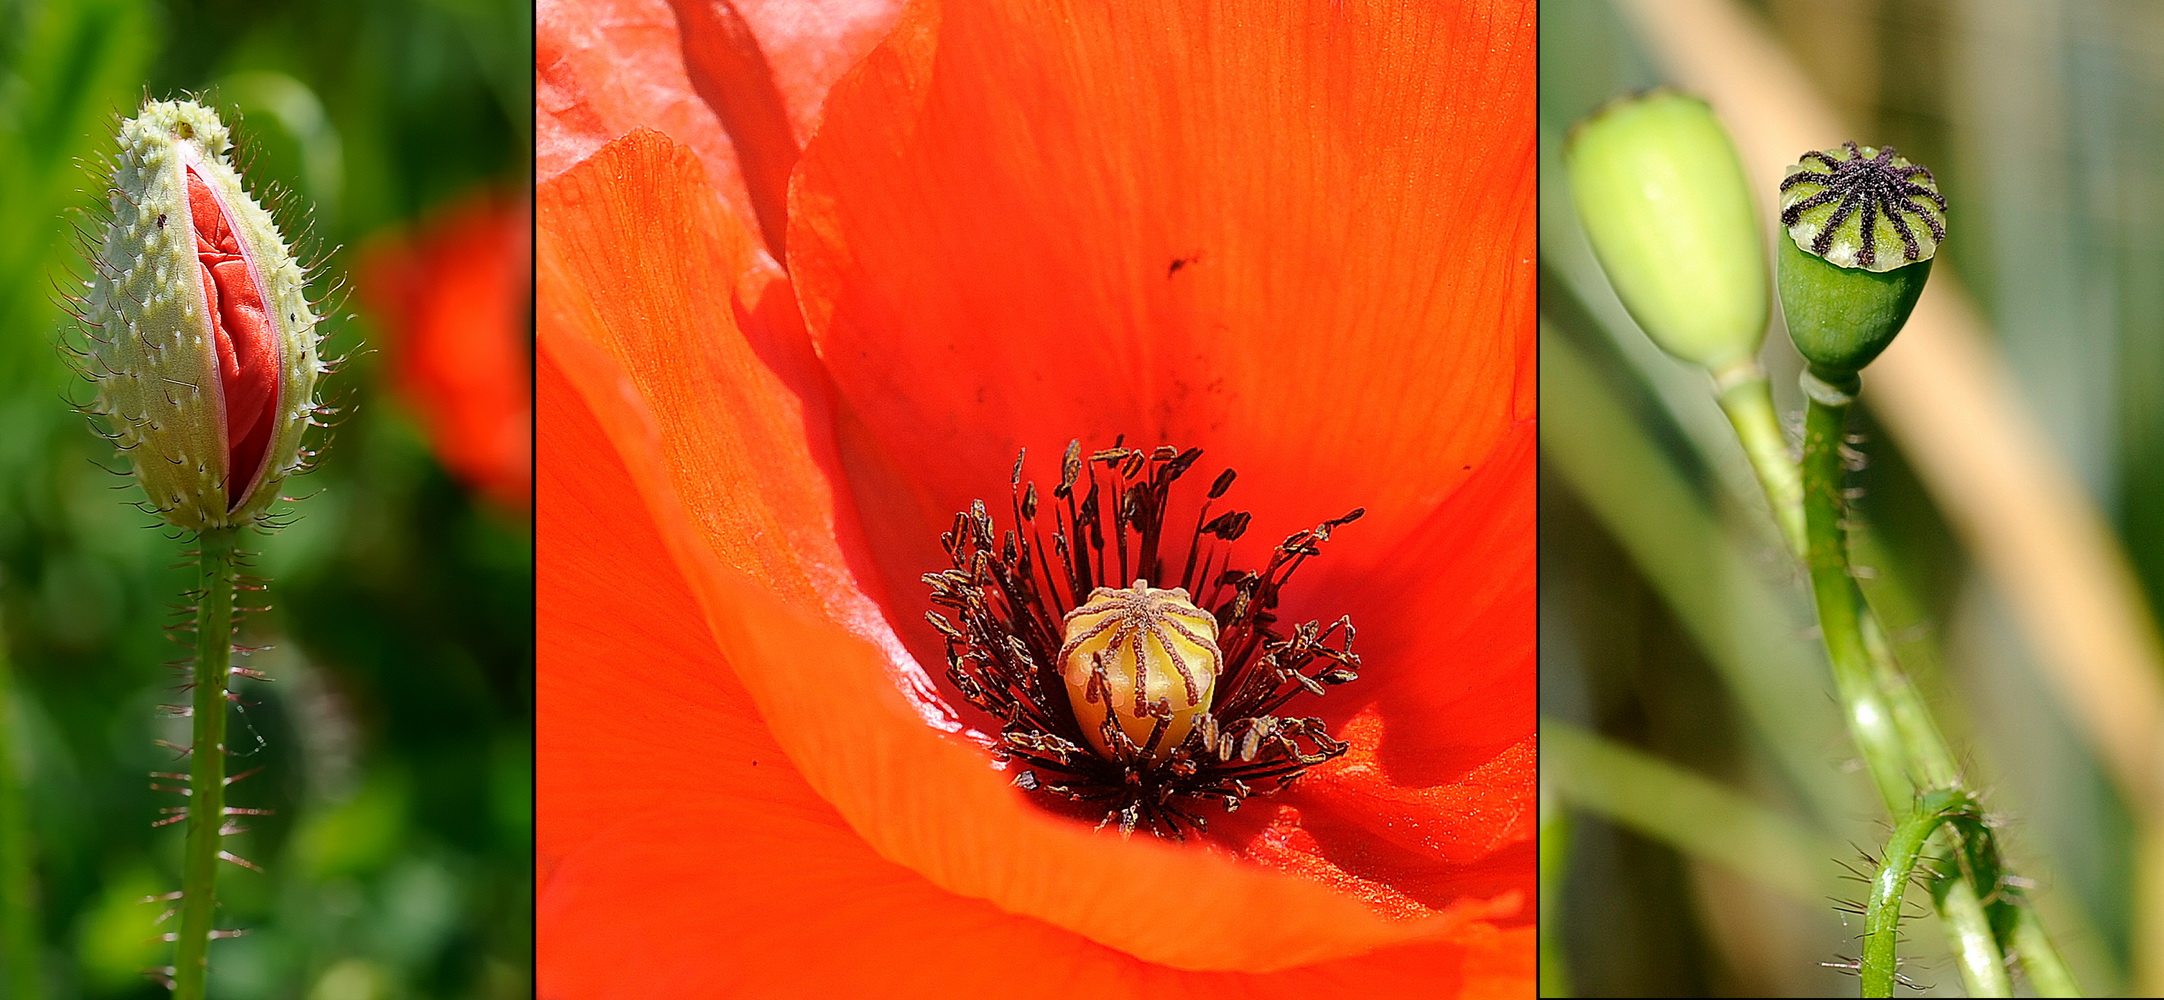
x=1299 y=237
x=454 y=296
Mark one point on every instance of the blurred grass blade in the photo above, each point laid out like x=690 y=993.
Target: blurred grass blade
x=296 y=108
x=1554 y=866
x=1723 y=601
x=74 y=67
x=1692 y=814
x=18 y=909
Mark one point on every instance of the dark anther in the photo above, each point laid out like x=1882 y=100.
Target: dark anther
x=1006 y=594
x=1228 y=526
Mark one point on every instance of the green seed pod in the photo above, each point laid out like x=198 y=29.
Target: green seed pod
x=1665 y=205
x=1140 y=660
x=202 y=340
x=1863 y=224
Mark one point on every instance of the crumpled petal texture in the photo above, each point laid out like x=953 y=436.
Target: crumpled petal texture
x=740 y=81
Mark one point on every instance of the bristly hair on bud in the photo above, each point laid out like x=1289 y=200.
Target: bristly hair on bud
x=199 y=333
x=1141 y=680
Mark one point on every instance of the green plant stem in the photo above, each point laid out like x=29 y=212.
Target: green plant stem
x=1636 y=490
x=1890 y=701
x=2039 y=958
x=1976 y=947
x=206 y=772
x=1882 y=915
x=1554 y=863
x=1892 y=726
x=1747 y=397
x=1895 y=715
x=1870 y=716
x=18 y=913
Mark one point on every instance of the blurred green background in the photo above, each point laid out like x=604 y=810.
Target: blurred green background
x=395 y=734
x=1700 y=795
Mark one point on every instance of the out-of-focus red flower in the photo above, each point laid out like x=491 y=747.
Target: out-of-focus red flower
x=455 y=299
x=1297 y=235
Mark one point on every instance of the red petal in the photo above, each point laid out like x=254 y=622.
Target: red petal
x=1447 y=627
x=605 y=67
x=655 y=293
x=1299 y=235
x=765 y=68
x=667 y=906
x=691 y=389
x=1470 y=837
x=681 y=854
x=741 y=81
x=636 y=711
x=809 y=44
x=1437 y=797
x=244 y=337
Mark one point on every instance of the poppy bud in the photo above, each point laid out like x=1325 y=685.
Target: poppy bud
x=1664 y=203
x=1863 y=224
x=202 y=339
x=1147 y=660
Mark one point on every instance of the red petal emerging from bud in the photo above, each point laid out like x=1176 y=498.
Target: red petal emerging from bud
x=246 y=342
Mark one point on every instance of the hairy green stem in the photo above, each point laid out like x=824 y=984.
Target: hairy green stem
x=1870 y=715
x=18 y=914
x=1882 y=916
x=1747 y=398
x=1893 y=728
x=1899 y=735
x=1891 y=715
x=206 y=772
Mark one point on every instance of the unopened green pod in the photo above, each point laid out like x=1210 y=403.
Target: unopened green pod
x=1862 y=226
x=1665 y=205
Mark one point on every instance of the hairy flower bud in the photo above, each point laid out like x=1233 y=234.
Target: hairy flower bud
x=202 y=339
x=1863 y=224
x=1664 y=203
x=1140 y=664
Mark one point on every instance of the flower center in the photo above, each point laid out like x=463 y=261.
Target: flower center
x=1150 y=699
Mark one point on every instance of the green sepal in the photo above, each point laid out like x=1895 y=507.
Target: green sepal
x=1664 y=203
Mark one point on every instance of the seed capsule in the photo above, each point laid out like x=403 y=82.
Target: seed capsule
x=1863 y=224
x=1140 y=664
x=202 y=339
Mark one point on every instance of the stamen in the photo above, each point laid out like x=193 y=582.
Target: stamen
x=1119 y=684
